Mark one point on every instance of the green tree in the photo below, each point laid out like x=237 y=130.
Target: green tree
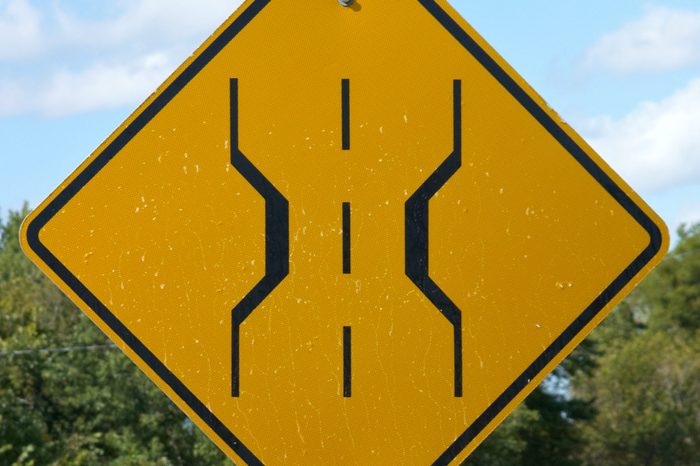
x=629 y=396
x=67 y=396
x=646 y=390
x=543 y=431
x=648 y=401
x=508 y=443
x=672 y=293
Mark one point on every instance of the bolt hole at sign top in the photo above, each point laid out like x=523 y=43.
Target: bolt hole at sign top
x=354 y=5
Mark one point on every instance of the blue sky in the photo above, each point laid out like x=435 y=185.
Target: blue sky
x=624 y=73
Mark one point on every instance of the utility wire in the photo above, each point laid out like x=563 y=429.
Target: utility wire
x=74 y=349
x=71 y=349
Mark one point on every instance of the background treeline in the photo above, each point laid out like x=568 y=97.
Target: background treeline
x=629 y=396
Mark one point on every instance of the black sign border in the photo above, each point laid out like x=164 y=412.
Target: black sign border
x=501 y=75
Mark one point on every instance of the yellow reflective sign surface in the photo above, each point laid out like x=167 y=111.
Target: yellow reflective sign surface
x=345 y=235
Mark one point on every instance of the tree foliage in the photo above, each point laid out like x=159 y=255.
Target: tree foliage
x=646 y=390
x=81 y=402
x=630 y=395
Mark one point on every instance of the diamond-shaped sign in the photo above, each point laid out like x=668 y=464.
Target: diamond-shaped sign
x=345 y=235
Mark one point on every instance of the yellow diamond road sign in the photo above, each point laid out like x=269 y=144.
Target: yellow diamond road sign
x=345 y=235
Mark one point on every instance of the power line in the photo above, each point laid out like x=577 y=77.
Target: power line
x=71 y=349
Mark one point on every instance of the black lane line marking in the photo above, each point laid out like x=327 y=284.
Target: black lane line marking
x=85 y=176
x=347 y=362
x=347 y=244
x=345 y=91
x=276 y=241
x=417 y=236
x=579 y=154
x=179 y=82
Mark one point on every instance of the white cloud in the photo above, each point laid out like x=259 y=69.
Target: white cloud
x=20 y=29
x=657 y=145
x=99 y=86
x=67 y=62
x=146 y=22
x=663 y=39
x=689 y=215
x=104 y=86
